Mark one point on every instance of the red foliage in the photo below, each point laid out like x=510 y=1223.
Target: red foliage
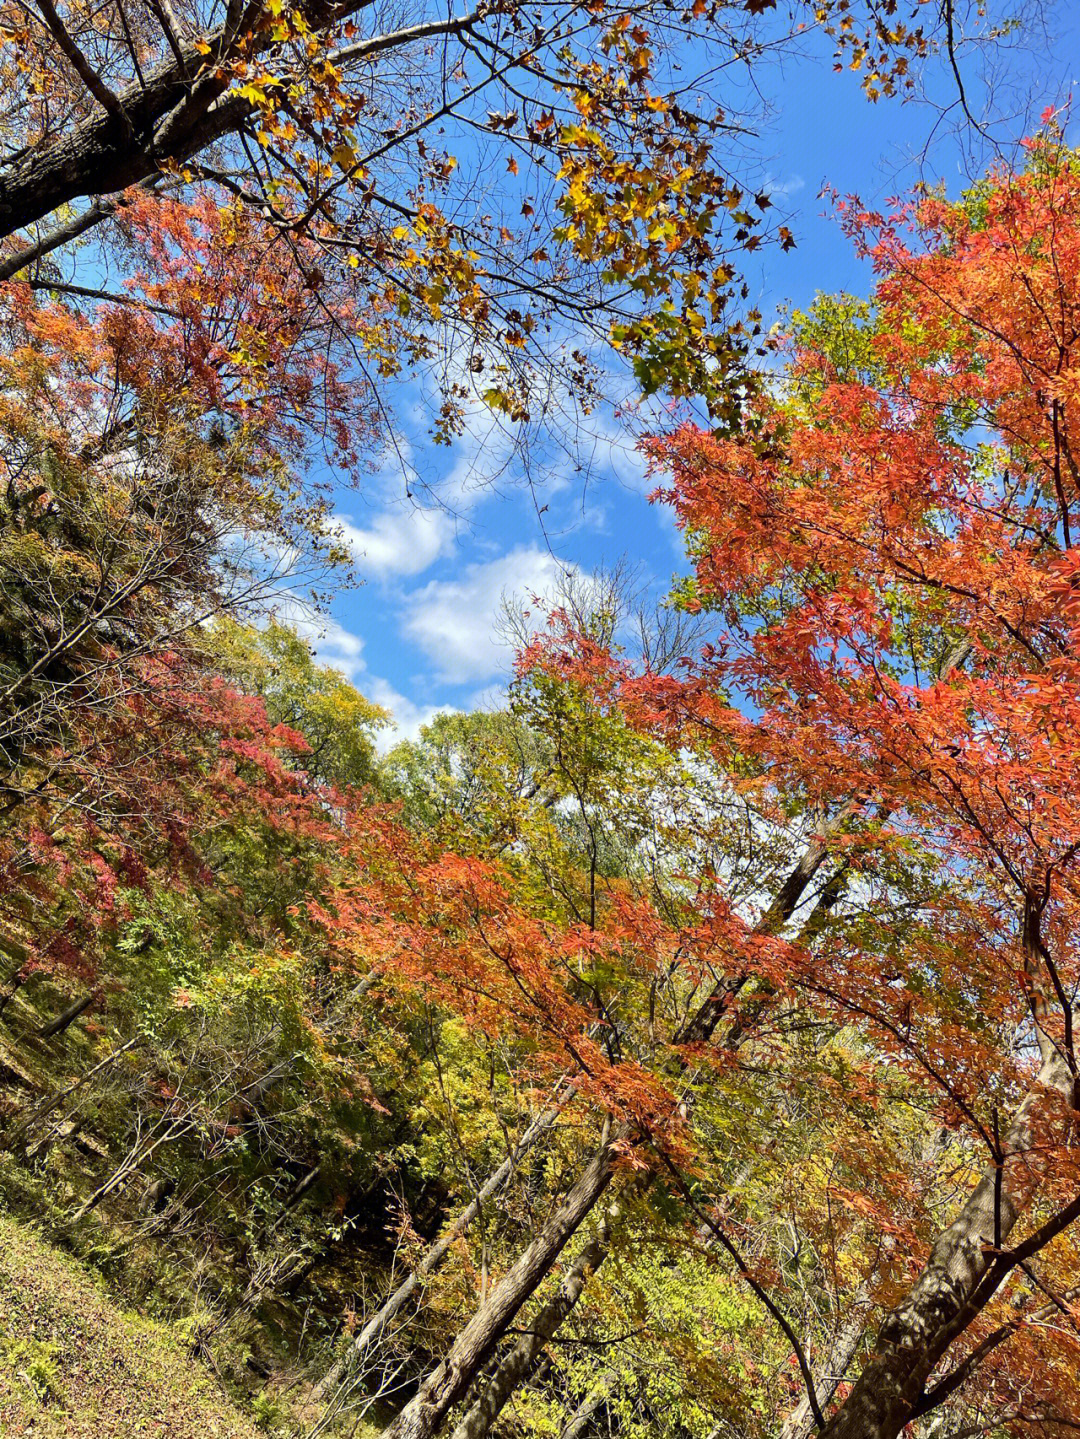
x=888 y=548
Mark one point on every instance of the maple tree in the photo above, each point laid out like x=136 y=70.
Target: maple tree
x=351 y=152
x=173 y=898
x=887 y=548
x=337 y=723
x=723 y=972
x=230 y=906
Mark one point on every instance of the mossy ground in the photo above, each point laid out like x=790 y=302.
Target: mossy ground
x=75 y=1365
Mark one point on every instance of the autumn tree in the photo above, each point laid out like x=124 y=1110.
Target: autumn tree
x=154 y=479
x=886 y=549
x=581 y=935
x=310 y=966
x=338 y=724
x=349 y=146
x=227 y=229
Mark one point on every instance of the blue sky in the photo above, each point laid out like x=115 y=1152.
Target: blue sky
x=419 y=634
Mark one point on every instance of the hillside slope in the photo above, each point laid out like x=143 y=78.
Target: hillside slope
x=76 y=1366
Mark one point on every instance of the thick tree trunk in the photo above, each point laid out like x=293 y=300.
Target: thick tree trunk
x=170 y=113
x=102 y=154
x=524 y=1357
x=448 y=1382
x=959 y=1278
x=395 y=1302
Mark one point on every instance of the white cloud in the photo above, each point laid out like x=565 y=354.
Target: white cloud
x=791 y=186
x=454 y=621
x=334 y=645
x=408 y=716
x=401 y=541
x=331 y=643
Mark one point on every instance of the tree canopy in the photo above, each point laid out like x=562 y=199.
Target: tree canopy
x=686 y=1047
x=345 y=150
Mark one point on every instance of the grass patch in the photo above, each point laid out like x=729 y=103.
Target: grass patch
x=74 y=1365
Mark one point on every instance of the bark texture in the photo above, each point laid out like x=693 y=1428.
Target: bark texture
x=448 y=1382
x=959 y=1278
x=524 y=1357
x=108 y=152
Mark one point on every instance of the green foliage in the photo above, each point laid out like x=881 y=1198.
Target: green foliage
x=337 y=722
x=268 y=1410
x=301 y=1125
x=470 y=777
x=841 y=329
x=34 y=1361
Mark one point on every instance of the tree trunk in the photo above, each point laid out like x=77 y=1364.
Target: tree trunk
x=800 y=1423
x=131 y=1165
x=69 y=1015
x=13 y=986
x=523 y=1358
x=300 y=1188
x=378 y=1323
x=66 y=1130
x=448 y=1382
x=960 y=1276
x=701 y=1025
x=168 y=114
x=103 y=155
x=583 y=1415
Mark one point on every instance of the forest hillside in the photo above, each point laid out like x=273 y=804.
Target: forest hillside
x=76 y=1364
x=676 y=1039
